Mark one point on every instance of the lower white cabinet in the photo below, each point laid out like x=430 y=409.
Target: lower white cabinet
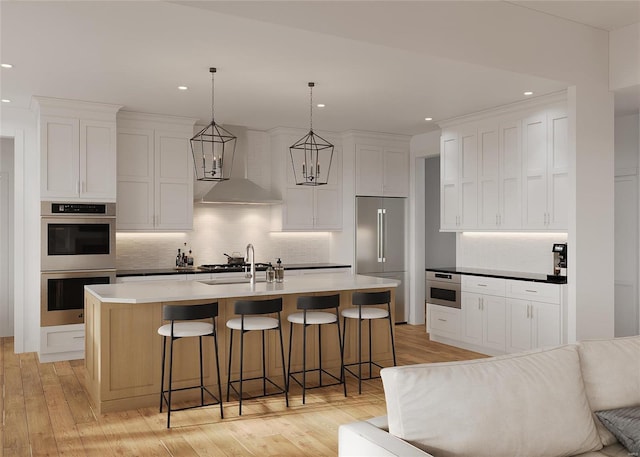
x=484 y=320
x=443 y=321
x=61 y=342
x=532 y=325
x=500 y=315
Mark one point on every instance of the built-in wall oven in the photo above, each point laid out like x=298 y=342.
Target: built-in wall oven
x=443 y=289
x=78 y=248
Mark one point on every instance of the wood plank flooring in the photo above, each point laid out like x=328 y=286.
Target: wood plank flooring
x=46 y=412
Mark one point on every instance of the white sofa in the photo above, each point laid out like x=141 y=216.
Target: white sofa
x=534 y=404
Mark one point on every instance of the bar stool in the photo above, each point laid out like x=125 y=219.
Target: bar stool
x=362 y=300
x=311 y=316
x=251 y=319
x=176 y=330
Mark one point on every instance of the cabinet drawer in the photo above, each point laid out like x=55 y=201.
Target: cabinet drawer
x=444 y=321
x=483 y=285
x=62 y=338
x=535 y=291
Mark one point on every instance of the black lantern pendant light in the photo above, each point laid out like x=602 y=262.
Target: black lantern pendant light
x=213 y=148
x=311 y=155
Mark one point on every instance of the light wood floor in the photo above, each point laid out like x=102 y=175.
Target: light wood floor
x=46 y=412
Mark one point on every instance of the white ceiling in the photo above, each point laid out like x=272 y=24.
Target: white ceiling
x=137 y=53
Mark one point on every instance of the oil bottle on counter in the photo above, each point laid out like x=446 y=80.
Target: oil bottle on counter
x=271 y=273
x=279 y=269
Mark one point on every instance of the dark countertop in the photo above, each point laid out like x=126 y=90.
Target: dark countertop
x=177 y=271
x=535 y=277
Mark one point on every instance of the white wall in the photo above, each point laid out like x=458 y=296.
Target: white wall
x=420 y=147
x=20 y=124
x=6 y=237
x=627 y=154
x=218 y=229
x=521 y=252
x=624 y=57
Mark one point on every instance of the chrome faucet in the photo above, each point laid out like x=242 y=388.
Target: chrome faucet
x=252 y=273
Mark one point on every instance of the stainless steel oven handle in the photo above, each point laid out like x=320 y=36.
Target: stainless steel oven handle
x=379 y=235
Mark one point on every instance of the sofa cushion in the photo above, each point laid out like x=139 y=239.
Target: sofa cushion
x=624 y=423
x=528 y=405
x=611 y=373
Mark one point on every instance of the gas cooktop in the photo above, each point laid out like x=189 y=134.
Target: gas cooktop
x=219 y=267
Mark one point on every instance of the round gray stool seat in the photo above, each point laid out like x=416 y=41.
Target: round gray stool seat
x=253 y=323
x=313 y=318
x=367 y=313
x=186 y=329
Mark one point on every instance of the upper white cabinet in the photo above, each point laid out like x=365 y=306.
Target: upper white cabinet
x=78 y=149
x=155 y=172
x=508 y=171
x=459 y=179
x=546 y=170
x=304 y=208
x=381 y=170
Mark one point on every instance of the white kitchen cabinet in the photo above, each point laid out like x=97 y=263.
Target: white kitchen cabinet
x=304 y=208
x=155 y=173
x=507 y=170
x=61 y=342
x=484 y=312
x=382 y=171
x=78 y=150
x=534 y=315
x=532 y=325
x=459 y=179
x=546 y=170
x=499 y=172
x=443 y=321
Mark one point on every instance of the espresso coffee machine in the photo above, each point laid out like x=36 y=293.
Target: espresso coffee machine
x=559 y=259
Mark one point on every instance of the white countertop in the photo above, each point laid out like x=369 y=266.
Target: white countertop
x=166 y=291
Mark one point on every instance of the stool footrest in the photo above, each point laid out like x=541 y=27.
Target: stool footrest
x=258 y=378
x=339 y=381
x=346 y=368
x=216 y=401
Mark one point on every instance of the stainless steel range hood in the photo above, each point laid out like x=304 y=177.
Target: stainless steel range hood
x=238 y=190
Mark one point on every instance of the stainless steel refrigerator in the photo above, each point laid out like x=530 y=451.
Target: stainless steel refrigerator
x=380 y=242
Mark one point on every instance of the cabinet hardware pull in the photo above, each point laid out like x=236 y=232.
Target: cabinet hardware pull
x=527 y=311
x=442 y=320
x=482 y=285
x=78 y=337
x=532 y=291
x=496 y=219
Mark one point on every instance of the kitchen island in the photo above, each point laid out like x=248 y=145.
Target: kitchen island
x=123 y=349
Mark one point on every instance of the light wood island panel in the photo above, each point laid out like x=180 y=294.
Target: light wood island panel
x=123 y=350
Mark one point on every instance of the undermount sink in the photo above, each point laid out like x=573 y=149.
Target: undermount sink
x=215 y=282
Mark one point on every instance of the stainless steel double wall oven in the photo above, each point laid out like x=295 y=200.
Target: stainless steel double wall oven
x=78 y=248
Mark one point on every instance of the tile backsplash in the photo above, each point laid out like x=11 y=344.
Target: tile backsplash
x=524 y=252
x=219 y=229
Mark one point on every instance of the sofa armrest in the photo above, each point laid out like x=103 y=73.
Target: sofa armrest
x=370 y=439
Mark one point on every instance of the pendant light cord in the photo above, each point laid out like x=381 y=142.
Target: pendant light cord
x=311 y=107
x=212 y=94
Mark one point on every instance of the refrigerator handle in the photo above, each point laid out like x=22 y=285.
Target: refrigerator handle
x=383 y=235
x=379 y=236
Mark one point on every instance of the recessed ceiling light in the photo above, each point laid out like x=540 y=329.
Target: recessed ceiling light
x=6 y=65
x=321 y=105
x=528 y=93
x=182 y=87
x=428 y=118
x=6 y=100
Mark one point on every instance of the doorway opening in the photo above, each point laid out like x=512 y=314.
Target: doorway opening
x=7 y=149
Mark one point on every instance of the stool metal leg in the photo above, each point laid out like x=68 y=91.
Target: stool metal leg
x=304 y=362
x=359 y=356
x=241 y=366
x=320 y=353
x=230 y=359
x=201 y=375
x=393 y=345
x=264 y=367
x=284 y=369
x=290 y=346
x=340 y=343
x=370 y=353
x=170 y=380
x=215 y=348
